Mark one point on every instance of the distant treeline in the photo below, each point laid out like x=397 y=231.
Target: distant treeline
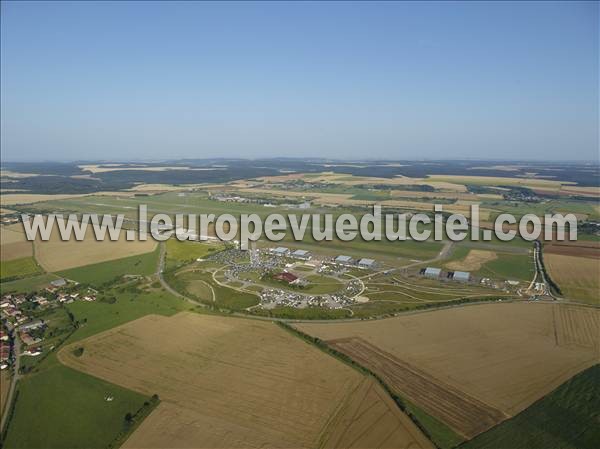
x=58 y=177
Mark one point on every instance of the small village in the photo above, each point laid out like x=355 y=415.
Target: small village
x=25 y=317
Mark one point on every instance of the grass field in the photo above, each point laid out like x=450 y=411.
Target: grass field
x=18 y=268
x=100 y=273
x=181 y=252
x=220 y=388
x=495 y=370
x=509 y=267
x=317 y=284
x=567 y=418
x=27 y=285
x=4 y=385
x=200 y=285
x=57 y=255
x=99 y=316
x=75 y=412
x=577 y=277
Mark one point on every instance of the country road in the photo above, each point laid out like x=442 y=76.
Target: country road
x=13 y=383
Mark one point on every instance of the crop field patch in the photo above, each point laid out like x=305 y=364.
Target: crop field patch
x=466 y=415
x=223 y=382
x=16 y=268
x=579 y=249
x=57 y=255
x=370 y=407
x=577 y=326
x=577 y=277
x=505 y=355
x=14 y=243
x=474 y=260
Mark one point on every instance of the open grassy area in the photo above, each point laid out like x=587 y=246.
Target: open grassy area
x=98 y=316
x=27 y=285
x=75 y=411
x=100 y=273
x=317 y=284
x=18 y=268
x=76 y=414
x=567 y=418
x=181 y=252
x=509 y=267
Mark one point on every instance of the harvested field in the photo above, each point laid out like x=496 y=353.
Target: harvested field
x=579 y=248
x=577 y=277
x=27 y=198
x=463 y=413
x=14 y=243
x=57 y=255
x=229 y=382
x=494 y=357
x=370 y=407
x=474 y=260
x=577 y=326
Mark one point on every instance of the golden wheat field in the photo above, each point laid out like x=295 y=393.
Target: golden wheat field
x=473 y=366
x=232 y=382
x=56 y=255
x=14 y=243
x=577 y=277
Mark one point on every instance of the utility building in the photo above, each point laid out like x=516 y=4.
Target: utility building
x=344 y=260
x=366 y=263
x=301 y=254
x=463 y=276
x=431 y=272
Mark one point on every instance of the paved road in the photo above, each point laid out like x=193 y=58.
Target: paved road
x=13 y=384
x=159 y=272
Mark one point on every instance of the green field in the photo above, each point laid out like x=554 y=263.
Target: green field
x=27 y=285
x=317 y=284
x=98 y=316
x=103 y=272
x=197 y=284
x=181 y=252
x=76 y=414
x=19 y=268
x=509 y=267
x=567 y=418
x=63 y=408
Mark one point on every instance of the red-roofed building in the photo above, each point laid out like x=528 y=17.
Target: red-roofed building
x=286 y=277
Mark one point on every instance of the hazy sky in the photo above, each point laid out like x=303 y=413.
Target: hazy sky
x=399 y=80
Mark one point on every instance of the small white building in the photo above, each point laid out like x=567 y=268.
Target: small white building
x=58 y=283
x=432 y=272
x=462 y=276
x=301 y=254
x=344 y=260
x=366 y=263
x=280 y=251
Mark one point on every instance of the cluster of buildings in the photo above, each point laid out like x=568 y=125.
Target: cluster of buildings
x=342 y=260
x=17 y=313
x=349 y=261
x=299 y=254
x=273 y=297
x=436 y=273
x=16 y=308
x=4 y=350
